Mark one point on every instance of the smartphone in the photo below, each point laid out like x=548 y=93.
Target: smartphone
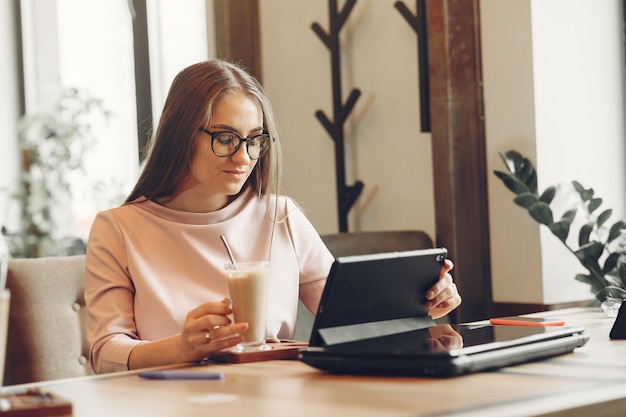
x=526 y=321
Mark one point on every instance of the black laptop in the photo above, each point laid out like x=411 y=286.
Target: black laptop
x=371 y=321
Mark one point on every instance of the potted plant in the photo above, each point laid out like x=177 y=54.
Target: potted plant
x=52 y=145
x=600 y=246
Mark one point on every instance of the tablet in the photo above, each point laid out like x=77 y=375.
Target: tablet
x=371 y=295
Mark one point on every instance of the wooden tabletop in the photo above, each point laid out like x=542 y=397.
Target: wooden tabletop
x=577 y=384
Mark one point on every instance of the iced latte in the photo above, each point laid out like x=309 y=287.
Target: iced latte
x=248 y=284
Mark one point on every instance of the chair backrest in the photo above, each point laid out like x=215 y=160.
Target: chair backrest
x=364 y=243
x=47 y=321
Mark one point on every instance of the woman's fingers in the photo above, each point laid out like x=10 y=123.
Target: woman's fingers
x=222 y=332
x=448 y=294
x=221 y=308
x=208 y=316
x=444 y=282
x=207 y=329
x=448 y=265
x=442 y=297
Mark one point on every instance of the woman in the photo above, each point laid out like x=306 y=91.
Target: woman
x=155 y=276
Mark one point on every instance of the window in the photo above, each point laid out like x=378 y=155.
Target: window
x=88 y=45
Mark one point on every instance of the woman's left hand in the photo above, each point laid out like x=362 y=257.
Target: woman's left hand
x=443 y=297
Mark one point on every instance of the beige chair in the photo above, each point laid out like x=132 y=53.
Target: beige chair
x=47 y=321
x=362 y=243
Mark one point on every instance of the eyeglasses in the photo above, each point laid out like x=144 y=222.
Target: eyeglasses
x=227 y=143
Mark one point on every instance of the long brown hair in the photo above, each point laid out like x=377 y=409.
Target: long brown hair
x=189 y=105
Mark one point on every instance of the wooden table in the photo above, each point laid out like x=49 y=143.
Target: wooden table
x=589 y=382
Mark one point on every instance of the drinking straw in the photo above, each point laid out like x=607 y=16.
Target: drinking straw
x=230 y=254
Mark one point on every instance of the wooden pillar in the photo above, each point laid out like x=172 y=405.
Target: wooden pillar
x=143 y=89
x=458 y=142
x=237 y=36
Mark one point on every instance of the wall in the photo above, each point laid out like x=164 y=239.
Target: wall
x=553 y=84
x=384 y=148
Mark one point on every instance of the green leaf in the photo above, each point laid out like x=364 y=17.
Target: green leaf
x=569 y=215
x=512 y=183
x=528 y=175
x=585 y=232
x=541 y=212
x=586 y=279
x=585 y=194
x=511 y=159
x=560 y=229
x=518 y=163
x=610 y=263
x=579 y=188
x=615 y=230
x=525 y=199
x=596 y=286
x=531 y=182
x=611 y=291
x=548 y=195
x=589 y=254
x=525 y=171
x=621 y=270
x=521 y=168
x=604 y=216
x=594 y=204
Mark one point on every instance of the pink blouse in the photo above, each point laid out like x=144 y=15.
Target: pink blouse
x=148 y=266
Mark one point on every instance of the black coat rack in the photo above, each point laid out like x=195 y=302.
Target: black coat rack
x=346 y=194
x=418 y=23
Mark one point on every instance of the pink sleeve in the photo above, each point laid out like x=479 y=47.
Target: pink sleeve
x=314 y=258
x=109 y=293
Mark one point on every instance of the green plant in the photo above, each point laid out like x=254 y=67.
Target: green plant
x=600 y=247
x=52 y=145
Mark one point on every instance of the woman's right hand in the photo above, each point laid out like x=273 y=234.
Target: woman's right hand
x=208 y=329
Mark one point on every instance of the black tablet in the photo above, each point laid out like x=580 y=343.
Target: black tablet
x=369 y=294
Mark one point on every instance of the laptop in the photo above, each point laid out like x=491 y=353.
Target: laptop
x=371 y=321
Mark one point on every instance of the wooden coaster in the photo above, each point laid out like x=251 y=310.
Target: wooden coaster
x=280 y=350
x=34 y=403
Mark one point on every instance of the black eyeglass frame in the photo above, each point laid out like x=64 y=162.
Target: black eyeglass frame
x=241 y=140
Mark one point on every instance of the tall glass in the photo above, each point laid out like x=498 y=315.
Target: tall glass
x=248 y=283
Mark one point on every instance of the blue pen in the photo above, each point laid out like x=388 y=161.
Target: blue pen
x=176 y=374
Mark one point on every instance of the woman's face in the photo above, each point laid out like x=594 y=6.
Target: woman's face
x=216 y=178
